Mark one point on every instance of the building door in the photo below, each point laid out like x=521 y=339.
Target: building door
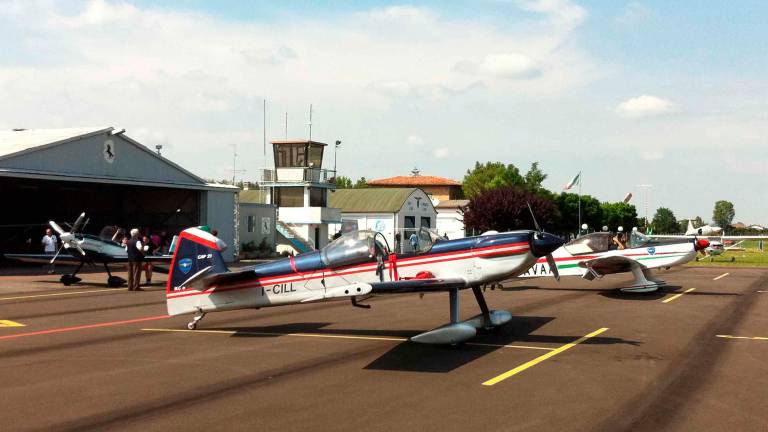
x=317 y=237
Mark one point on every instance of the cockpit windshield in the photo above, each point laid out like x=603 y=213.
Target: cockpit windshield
x=354 y=247
x=638 y=239
x=112 y=233
x=421 y=241
x=591 y=243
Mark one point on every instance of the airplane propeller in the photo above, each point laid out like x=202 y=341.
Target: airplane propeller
x=68 y=239
x=550 y=259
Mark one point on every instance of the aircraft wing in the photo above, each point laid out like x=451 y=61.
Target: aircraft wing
x=63 y=258
x=609 y=265
x=417 y=285
x=747 y=237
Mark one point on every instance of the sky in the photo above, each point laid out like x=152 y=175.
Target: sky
x=668 y=94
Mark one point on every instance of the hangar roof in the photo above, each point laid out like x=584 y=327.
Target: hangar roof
x=90 y=154
x=370 y=200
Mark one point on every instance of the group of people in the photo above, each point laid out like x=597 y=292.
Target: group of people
x=137 y=245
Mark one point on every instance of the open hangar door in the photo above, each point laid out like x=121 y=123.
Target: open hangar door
x=28 y=205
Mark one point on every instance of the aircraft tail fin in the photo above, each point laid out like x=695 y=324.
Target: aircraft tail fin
x=197 y=254
x=691 y=229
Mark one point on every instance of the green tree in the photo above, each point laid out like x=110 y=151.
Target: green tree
x=343 y=182
x=488 y=176
x=664 y=221
x=619 y=214
x=361 y=183
x=682 y=225
x=723 y=214
x=568 y=209
x=534 y=177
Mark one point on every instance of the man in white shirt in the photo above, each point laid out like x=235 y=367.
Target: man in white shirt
x=50 y=245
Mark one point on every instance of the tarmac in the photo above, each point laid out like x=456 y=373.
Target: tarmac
x=577 y=356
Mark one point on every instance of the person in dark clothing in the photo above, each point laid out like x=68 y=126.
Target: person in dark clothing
x=135 y=259
x=148 y=248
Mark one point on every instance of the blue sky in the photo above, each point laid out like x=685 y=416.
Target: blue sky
x=673 y=94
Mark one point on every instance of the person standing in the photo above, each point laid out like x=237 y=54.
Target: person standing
x=135 y=259
x=148 y=248
x=414 y=240
x=50 y=242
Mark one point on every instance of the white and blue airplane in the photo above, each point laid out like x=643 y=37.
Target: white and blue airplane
x=81 y=249
x=355 y=266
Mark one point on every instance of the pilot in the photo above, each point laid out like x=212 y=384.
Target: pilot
x=620 y=240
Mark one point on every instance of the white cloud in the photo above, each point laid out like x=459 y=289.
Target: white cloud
x=644 y=105
x=651 y=155
x=199 y=81
x=441 y=153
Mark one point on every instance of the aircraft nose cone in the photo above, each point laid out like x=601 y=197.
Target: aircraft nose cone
x=543 y=244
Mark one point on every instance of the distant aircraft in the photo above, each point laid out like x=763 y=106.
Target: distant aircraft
x=595 y=255
x=354 y=266
x=715 y=236
x=84 y=248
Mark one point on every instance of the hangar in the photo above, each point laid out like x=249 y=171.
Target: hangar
x=55 y=174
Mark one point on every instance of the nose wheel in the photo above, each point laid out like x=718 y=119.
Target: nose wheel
x=192 y=325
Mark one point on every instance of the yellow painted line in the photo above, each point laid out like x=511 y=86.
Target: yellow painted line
x=59 y=294
x=743 y=337
x=721 y=276
x=537 y=360
x=328 y=336
x=677 y=295
x=8 y=323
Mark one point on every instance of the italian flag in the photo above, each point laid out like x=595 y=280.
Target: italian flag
x=573 y=182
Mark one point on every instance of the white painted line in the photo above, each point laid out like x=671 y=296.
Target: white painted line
x=331 y=336
x=61 y=294
x=721 y=276
x=743 y=337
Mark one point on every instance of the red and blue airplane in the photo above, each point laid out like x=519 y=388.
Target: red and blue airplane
x=355 y=266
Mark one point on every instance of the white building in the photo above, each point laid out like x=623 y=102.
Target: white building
x=450 y=217
x=390 y=211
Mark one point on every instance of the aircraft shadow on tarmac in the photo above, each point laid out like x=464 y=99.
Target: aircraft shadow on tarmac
x=414 y=357
x=616 y=294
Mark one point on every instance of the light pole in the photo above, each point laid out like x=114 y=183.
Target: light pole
x=646 y=191
x=335 y=149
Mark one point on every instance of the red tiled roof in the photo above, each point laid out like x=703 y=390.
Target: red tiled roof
x=411 y=180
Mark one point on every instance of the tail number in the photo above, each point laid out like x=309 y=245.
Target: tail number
x=281 y=289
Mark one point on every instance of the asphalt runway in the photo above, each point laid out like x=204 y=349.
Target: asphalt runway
x=576 y=356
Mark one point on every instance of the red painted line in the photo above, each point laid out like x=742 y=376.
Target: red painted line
x=83 y=327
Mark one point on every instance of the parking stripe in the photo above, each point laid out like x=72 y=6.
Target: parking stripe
x=60 y=294
x=83 y=327
x=677 y=295
x=743 y=337
x=721 y=276
x=537 y=360
x=331 y=336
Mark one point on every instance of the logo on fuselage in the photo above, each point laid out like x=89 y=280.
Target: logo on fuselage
x=651 y=250
x=185 y=265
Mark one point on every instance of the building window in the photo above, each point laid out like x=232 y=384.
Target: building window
x=426 y=222
x=289 y=197
x=251 y=222
x=316 y=155
x=318 y=197
x=290 y=155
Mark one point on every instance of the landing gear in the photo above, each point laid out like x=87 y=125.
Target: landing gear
x=113 y=281
x=193 y=324
x=488 y=319
x=69 y=279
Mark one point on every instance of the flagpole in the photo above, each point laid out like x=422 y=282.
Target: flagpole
x=579 y=230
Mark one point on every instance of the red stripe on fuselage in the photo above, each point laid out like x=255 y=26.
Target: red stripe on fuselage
x=346 y=271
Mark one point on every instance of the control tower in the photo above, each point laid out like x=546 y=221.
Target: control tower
x=299 y=186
